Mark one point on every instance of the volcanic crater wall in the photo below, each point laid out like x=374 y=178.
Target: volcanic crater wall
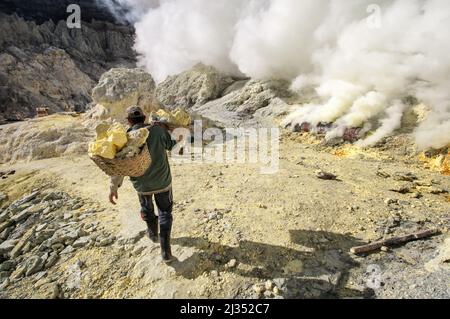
x=43 y=63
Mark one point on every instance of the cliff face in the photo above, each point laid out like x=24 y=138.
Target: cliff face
x=44 y=63
x=44 y=10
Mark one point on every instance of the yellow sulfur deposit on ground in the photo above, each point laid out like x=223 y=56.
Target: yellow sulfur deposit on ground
x=179 y=117
x=446 y=165
x=440 y=162
x=352 y=151
x=113 y=141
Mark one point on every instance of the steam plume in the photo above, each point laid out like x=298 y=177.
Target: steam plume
x=362 y=58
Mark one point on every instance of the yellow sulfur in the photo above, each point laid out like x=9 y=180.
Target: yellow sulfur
x=135 y=141
x=113 y=141
x=179 y=117
x=102 y=148
x=117 y=135
x=110 y=140
x=102 y=131
x=182 y=118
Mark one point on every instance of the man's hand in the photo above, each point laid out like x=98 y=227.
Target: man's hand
x=112 y=196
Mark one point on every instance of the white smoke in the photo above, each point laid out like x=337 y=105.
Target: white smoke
x=362 y=57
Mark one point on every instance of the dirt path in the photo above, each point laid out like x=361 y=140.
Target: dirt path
x=235 y=228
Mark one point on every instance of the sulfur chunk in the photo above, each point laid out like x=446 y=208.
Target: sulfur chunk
x=182 y=118
x=179 y=117
x=102 y=131
x=103 y=148
x=138 y=137
x=128 y=151
x=117 y=135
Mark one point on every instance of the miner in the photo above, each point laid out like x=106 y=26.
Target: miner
x=155 y=184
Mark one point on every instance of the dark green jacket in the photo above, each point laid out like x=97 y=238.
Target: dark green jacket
x=158 y=176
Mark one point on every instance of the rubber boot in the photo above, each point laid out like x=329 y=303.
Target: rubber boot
x=152 y=231
x=166 y=251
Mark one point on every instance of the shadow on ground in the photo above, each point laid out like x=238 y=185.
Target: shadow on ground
x=319 y=269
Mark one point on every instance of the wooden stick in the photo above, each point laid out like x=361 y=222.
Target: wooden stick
x=393 y=241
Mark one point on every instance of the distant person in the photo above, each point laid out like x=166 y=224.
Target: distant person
x=155 y=183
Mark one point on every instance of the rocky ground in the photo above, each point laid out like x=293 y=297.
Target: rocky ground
x=237 y=233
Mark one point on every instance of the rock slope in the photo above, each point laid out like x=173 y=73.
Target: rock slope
x=48 y=64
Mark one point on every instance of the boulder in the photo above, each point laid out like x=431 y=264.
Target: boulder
x=120 y=88
x=257 y=102
x=193 y=87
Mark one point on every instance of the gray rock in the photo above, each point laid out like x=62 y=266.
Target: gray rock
x=58 y=247
x=84 y=55
x=192 y=87
x=76 y=206
x=120 y=87
x=64 y=235
x=4 y=216
x=325 y=175
x=23 y=200
x=52 y=260
x=405 y=177
x=105 y=241
x=81 y=242
x=4 y=275
x=21 y=215
x=53 y=196
x=5 y=225
x=7 y=246
x=6 y=232
x=18 y=273
x=403 y=189
x=5 y=284
x=31 y=210
x=7 y=265
x=67 y=250
x=34 y=264
x=257 y=103
x=41 y=227
x=42 y=236
x=17 y=250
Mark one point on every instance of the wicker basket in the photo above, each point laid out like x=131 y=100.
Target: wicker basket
x=133 y=167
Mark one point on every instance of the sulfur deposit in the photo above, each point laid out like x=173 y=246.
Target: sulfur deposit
x=439 y=161
x=135 y=141
x=114 y=141
x=177 y=118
